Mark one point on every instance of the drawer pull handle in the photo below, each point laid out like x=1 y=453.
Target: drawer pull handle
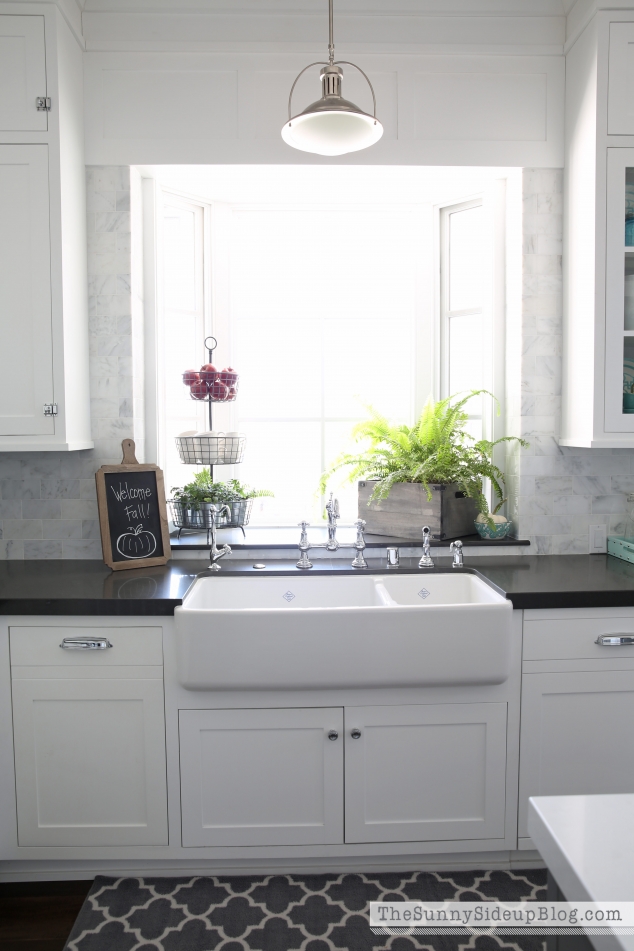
x=85 y=643
x=614 y=640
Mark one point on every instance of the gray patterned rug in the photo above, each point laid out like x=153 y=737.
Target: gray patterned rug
x=284 y=912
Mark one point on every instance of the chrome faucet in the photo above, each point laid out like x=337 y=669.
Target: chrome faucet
x=426 y=560
x=332 y=507
x=215 y=554
x=456 y=550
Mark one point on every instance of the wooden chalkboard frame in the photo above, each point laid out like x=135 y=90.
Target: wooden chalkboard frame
x=130 y=464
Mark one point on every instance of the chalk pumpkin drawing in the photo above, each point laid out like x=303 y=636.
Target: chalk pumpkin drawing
x=136 y=543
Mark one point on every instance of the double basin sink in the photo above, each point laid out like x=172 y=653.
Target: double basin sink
x=298 y=632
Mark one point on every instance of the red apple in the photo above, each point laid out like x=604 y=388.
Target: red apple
x=219 y=391
x=228 y=376
x=199 y=390
x=233 y=392
x=208 y=372
x=190 y=377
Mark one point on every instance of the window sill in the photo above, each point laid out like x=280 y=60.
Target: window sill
x=270 y=537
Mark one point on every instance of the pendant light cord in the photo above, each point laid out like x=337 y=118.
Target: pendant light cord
x=331 y=40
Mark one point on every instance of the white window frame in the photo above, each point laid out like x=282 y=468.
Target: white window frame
x=493 y=311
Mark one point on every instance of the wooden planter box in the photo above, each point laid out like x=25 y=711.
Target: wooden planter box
x=403 y=513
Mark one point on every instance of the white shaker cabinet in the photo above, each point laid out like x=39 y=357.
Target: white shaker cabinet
x=576 y=735
x=278 y=776
x=44 y=382
x=577 y=707
x=89 y=737
x=26 y=355
x=22 y=74
x=262 y=777
x=425 y=772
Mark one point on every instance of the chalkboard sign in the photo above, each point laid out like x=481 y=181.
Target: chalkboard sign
x=132 y=513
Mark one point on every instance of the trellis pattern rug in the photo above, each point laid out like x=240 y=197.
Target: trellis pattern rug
x=284 y=912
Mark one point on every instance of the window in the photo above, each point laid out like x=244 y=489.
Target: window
x=462 y=291
x=324 y=306
x=182 y=328
x=324 y=309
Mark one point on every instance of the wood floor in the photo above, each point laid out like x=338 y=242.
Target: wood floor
x=38 y=916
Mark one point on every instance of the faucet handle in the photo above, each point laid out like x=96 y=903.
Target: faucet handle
x=303 y=525
x=359 y=561
x=456 y=549
x=426 y=531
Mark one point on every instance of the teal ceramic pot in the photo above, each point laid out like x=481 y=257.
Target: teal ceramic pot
x=499 y=531
x=628 y=402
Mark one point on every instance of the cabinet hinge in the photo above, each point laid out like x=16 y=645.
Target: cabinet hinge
x=43 y=103
x=50 y=409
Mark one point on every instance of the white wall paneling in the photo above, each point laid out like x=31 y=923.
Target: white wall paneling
x=22 y=73
x=216 y=107
x=281 y=26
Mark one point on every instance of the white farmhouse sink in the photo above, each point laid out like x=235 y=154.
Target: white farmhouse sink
x=290 y=632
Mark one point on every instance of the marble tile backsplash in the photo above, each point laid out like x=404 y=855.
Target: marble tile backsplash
x=555 y=492
x=47 y=499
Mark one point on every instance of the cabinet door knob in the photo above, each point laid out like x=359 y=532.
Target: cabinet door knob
x=355 y=734
x=333 y=735
x=85 y=643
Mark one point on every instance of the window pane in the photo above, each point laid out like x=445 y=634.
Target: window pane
x=280 y=367
x=465 y=360
x=179 y=270
x=323 y=310
x=465 y=259
x=285 y=458
x=371 y=363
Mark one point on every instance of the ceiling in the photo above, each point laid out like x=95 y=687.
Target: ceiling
x=360 y=7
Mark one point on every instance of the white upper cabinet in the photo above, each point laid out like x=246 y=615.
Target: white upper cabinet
x=621 y=80
x=26 y=370
x=22 y=74
x=619 y=293
x=598 y=263
x=44 y=381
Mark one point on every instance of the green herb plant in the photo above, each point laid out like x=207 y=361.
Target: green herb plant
x=204 y=489
x=435 y=450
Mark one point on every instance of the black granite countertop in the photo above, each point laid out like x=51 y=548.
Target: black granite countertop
x=90 y=588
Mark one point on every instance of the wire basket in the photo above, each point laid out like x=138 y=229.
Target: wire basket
x=218 y=387
x=211 y=450
x=200 y=519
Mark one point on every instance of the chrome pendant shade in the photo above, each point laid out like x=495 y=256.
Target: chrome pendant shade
x=332 y=125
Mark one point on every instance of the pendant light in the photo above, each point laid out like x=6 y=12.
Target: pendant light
x=332 y=125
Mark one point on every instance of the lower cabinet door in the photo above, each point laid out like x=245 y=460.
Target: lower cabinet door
x=425 y=773
x=576 y=735
x=262 y=777
x=90 y=762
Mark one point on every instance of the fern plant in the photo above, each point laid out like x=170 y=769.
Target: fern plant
x=435 y=450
